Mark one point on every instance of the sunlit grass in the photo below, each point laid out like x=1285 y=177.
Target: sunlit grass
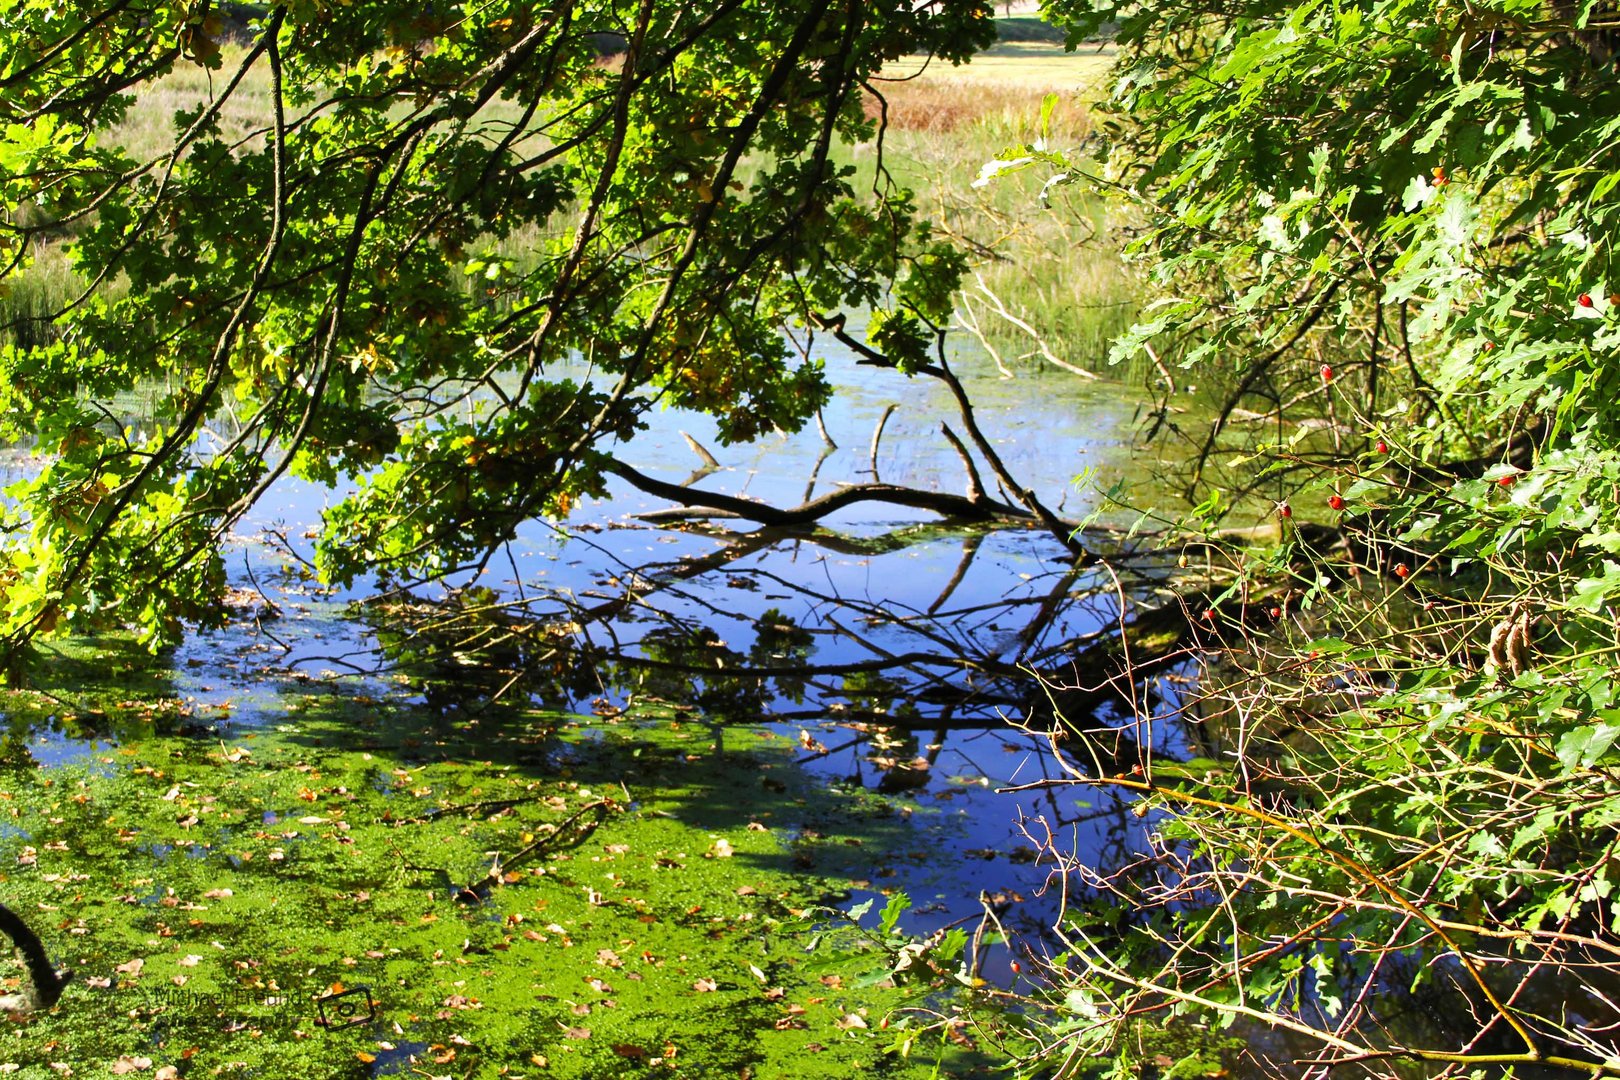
x=1053 y=266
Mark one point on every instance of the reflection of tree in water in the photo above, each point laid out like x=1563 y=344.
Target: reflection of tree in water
x=747 y=633
x=692 y=664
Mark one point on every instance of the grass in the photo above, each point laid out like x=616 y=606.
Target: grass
x=1053 y=268
x=30 y=300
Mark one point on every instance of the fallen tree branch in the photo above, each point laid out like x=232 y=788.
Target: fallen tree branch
x=1062 y=531
x=975 y=482
x=877 y=437
x=1041 y=348
x=960 y=507
x=478 y=891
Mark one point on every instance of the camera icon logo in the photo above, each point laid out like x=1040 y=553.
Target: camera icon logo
x=346 y=1008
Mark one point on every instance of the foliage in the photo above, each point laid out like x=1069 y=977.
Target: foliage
x=1386 y=229
x=328 y=292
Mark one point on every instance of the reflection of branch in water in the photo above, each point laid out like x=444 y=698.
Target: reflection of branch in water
x=1051 y=608
x=970 y=547
x=664 y=631
x=943 y=668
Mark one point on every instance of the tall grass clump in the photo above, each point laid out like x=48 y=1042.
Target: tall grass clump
x=31 y=299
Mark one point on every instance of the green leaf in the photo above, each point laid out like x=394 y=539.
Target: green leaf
x=1583 y=747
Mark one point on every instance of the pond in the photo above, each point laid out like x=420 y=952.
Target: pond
x=589 y=822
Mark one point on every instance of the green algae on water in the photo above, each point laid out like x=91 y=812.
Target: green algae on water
x=362 y=890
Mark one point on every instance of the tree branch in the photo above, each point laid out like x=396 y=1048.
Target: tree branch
x=957 y=507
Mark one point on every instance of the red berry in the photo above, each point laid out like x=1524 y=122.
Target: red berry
x=1285 y=510
x=1585 y=299
x=1507 y=481
x=1016 y=967
x=1489 y=345
x=1336 y=501
x=1209 y=614
x=1327 y=373
x=1276 y=612
x=1382 y=447
x=1401 y=570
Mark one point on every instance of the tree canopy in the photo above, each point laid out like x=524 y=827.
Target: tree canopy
x=1386 y=231
x=453 y=249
